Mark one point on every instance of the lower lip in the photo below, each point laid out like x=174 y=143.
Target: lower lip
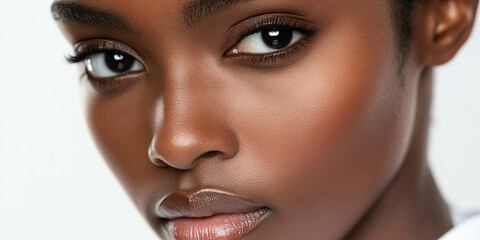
x=220 y=226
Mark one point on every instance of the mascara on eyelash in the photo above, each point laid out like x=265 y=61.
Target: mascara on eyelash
x=81 y=53
x=277 y=22
x=265 y=23
x=272 y=58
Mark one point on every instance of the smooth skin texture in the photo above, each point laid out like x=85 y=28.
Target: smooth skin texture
x=332 y=138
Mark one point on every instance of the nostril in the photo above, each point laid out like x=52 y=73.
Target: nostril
x=159 y=163
x=210 y=154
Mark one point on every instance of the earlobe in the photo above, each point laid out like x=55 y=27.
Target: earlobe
x=450 y=24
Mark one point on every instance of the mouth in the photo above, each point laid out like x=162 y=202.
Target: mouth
x=209 y=214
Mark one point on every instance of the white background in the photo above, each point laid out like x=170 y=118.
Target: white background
x=54 y=184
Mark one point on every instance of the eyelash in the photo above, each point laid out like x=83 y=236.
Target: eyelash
x=82 y=53
x=308 y=32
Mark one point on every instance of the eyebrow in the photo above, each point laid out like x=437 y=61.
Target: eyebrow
x=192 y=13
x=197 y=11
x=89 y=16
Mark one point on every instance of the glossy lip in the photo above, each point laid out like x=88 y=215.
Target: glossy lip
x=209 y=213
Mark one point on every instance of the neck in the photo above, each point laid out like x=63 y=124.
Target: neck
x=411 y=207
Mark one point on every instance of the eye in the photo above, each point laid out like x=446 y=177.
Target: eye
x=111 y=64
x=268 y=40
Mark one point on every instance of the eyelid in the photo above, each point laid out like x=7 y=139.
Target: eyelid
x=101 y=67
x=108 y=85
x=275 y=59
x=92 y=46
x=282 y=57
x=235 y=50
x=251 y=25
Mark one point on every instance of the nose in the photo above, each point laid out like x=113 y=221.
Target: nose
x=180 y=146
x=191 y=127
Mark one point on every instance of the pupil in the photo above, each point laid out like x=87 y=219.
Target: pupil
x=277 y=38
x=118 y=62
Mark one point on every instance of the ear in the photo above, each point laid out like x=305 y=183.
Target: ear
x=444 y=28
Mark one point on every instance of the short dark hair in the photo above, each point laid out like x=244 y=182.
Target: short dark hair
x=403 y=10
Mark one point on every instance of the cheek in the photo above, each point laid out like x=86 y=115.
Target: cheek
x=330 y=134
x=121 y=127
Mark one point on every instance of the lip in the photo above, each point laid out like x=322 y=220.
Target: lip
x=209 y=214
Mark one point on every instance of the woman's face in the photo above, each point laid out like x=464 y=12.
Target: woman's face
x=264 y=119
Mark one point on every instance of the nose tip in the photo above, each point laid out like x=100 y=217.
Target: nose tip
x=179 y=152
x=182 y=150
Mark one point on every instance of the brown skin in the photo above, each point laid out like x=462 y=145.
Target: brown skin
x=329 y=140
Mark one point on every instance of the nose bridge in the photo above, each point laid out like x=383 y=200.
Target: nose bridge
x=188 y=95
x=192 y=124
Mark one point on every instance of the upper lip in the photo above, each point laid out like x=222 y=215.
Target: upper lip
x=203 y=203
